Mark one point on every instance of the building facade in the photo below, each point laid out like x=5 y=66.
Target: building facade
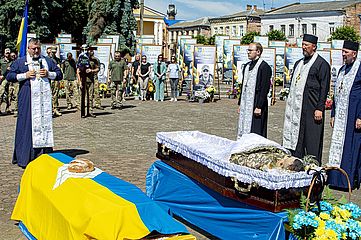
x=153 y=25
x=317 y=18
x=238 y=24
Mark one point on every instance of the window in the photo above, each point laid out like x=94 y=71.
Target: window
x=215 y=30
x=304 y=29
x=234 y=31
x=241 y=31
x=227 y=30
x=332 y=27
x=314 y=32
x=221 y=30
x=283 y=29
x=291 y=30
x=271 y=28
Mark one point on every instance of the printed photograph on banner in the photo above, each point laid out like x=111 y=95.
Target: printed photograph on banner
x=325 y=54
x=269 y=56
x=292 y=56
x=205 y=75
x=336 y=64
x=103 y=53
x=263 y=40
x=227 y=58
x=280 y=66
x=240 y=58
x=337 y=44
x=44 y=46
x=65 y=48
x=188 y=61
x=152 y=52
x=219 y=41
x=204 y=66
x=323 y=45
x=178 y=45
x=181 y=47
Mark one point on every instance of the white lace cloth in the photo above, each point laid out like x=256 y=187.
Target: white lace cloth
x=215 y=152
x=64 y=174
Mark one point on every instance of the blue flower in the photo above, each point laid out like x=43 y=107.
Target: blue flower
x=354 y=229
x=326 y=207
x=353 y=208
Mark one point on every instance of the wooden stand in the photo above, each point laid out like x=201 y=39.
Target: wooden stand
x=272 y=200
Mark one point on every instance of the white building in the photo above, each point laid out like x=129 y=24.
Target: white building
x=317 y=18
x=238 y=24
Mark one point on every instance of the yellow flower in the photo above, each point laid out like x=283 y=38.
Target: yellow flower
x=319 y=232
x=345 y=214
x=103 y=87
x=330 y=234
x=324 y=216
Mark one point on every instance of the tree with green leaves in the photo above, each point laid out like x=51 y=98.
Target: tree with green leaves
x=113 y=17
x=249 y=37
x=276 y=35
x=47 y=18
x=345 y=33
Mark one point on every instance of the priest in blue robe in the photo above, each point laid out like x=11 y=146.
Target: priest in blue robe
x=34 y=127
x=345 y=149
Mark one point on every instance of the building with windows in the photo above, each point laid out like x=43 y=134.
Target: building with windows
x=317 y=18
x=236 y=25
x=153 y=24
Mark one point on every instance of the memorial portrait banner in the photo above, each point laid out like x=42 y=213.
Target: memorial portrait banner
x=269 y=56
x=188 y=61
x=336 y=64
x=152 y=52
x=103 y=53
x=65 y=48
x=181 y=49
x=240 y=58
x=228 y=58
x=178 y=45
x=337 y=44
x=292 y=56
x=204 y=64
x=263 y=40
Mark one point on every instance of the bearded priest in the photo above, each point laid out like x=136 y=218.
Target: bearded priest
x=345 y=150
x=34 y=127
x=305 y=106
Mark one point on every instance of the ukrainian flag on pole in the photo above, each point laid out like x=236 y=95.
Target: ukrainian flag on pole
x=21 y=42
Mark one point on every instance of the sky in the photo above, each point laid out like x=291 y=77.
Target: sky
x=194 y=9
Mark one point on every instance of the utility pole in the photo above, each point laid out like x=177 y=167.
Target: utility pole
x=141 y=18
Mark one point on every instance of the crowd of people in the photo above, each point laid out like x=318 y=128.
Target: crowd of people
x=36 y=79
x=82 y=79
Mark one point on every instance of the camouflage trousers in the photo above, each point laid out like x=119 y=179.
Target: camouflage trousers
x=97 y=93
x=4 y=94
x=72 y=92
x=116 y=90
x=55 y=87
x=13 y=93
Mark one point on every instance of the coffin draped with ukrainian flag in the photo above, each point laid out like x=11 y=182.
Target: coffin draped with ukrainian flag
x=103 y=207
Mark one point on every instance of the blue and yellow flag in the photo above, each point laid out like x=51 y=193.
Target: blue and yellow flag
x=21 y=42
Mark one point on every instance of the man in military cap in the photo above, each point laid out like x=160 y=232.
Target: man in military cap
x=205 y=78
x=5 y=63
x=87 y=69
x=305 y=106
x=346 y=121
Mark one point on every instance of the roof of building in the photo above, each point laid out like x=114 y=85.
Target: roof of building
x=194 y=23
x=150 y=12
x=312 y=7
x=247 y=13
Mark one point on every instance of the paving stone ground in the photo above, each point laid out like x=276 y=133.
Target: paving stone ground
x=122 y=142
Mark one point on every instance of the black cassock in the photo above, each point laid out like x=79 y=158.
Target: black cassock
x=264 y=74
x=310 y=138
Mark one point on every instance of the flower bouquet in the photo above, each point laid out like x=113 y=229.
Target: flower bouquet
x=284 y=93
x=327 y=219
x=201 y=95
x=211 y=90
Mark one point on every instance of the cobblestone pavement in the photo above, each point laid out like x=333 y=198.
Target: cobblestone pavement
x=122 y=142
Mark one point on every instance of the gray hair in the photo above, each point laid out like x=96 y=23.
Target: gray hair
x=34 y=41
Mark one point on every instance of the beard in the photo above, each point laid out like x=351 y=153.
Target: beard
x=305 y=53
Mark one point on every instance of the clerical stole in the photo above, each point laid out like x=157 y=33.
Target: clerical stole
x=41 y=106
x=294 y=103
x=342 y=91
x=247 y=99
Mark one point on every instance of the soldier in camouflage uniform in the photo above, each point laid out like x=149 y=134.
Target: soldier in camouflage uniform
x=4 y=84
x=71 y=84
x=118 y=70
x=55 y=85
x=14 y=88
x=97 y=101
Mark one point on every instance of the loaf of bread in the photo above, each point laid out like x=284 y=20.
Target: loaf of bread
x=81 y=165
